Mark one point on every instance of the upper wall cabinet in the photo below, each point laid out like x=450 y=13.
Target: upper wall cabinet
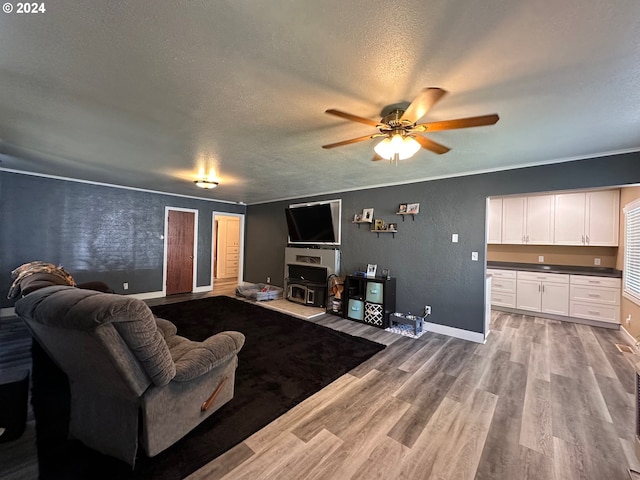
x=495 y=220
x=528 y=220
x=581 y=218
x=587 y=218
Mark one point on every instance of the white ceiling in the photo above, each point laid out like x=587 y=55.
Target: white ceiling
x=145 y=93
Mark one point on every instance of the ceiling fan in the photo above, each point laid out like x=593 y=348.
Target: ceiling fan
x=401 y=133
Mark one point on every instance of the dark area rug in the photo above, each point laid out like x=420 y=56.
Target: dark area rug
x=283 y=361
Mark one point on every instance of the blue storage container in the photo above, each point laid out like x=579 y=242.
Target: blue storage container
x=374 y=292
x=356 y=309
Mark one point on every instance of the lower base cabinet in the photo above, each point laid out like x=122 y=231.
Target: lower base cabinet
x=578 y=296
x=595 y=298
x=546 y=293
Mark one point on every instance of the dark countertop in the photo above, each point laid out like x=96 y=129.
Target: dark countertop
x=570 y=269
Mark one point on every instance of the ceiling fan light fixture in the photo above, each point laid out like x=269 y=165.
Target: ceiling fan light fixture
x=404 y=146
x=206 y=184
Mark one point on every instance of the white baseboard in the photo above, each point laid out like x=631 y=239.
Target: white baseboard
x=7 y=312
x=148 y=295
x=206 y=288
x=454 y=332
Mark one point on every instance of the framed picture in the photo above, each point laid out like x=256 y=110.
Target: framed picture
x=379 y=224
x=413 y=208
x=367 y=215
x=393 y=227
x=371 y=270
x=402 y=208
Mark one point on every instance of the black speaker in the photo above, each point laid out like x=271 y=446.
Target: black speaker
x=14 y=393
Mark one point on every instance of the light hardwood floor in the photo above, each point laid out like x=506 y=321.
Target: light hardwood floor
x=541 y=399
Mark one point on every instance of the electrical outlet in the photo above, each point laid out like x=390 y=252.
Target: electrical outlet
x=474 y=256
x=628 y=319
x=540 y=258
x=596 y=261
x=427 y=310
x=268 y=279
x=125 y=285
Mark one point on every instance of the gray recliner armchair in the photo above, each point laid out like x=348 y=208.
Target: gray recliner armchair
x=127 y=368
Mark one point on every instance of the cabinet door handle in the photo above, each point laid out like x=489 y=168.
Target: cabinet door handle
x=582 y=238
x=543 y=288
x=538 y=287
x=587 y=237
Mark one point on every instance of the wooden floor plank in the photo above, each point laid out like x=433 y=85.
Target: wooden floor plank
x=541 y=399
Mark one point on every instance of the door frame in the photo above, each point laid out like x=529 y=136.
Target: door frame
x=195 y=246
x=240 y=244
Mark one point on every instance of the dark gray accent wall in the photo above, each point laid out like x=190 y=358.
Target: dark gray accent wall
x=430 y=269
x=95 y=232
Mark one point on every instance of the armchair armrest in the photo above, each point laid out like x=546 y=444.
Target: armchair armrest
x=193 y=359
x=166 y=328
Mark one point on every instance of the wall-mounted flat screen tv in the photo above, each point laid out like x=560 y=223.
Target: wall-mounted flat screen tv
x=314 y=223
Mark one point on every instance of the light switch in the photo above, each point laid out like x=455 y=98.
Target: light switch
x=454 y=238
x=474 y=256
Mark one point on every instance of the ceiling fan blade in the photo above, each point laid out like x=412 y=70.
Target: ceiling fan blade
x=431 y=145
x=422 y=104
x=350 y=141
x=458 y=123
x=353 y=118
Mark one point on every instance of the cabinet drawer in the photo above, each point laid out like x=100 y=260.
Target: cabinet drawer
x=231 y=263
x=544 y=277
x=591 y=311
x=595 y=281
x=503 y=299
x=497 y=273
x=503 y=285
x=232 y=256
x=233 y=249
x=599 y=295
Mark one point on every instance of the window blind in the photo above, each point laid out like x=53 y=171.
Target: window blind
x=631 y=272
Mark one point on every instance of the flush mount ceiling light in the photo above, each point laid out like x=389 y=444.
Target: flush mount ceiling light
x=207 y=184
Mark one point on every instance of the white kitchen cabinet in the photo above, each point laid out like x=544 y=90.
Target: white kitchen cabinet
x=595 y=298
x=495 y=221
x=587 y=218
x=503 y=287
x=528 y=220
x=546 y=293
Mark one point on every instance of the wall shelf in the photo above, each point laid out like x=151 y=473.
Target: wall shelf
x=402 y=214
x=359 y=222
x=392 y=232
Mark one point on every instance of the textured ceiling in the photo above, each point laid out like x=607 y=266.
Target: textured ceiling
x=147 y=94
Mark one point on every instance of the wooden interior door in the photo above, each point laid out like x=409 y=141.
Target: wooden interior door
x=180 y=236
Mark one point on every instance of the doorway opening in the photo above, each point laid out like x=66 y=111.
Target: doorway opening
x=227 y=248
